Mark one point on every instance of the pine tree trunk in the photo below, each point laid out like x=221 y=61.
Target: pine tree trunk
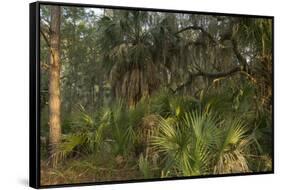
x=54 y=83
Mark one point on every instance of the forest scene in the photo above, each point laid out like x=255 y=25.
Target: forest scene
x=130 y=94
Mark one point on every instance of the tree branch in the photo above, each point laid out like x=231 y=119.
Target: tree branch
x=45 y=32
x=208 y=75
x=45 y=38
x=227 y=36
x=201 y=29
x=220 y=74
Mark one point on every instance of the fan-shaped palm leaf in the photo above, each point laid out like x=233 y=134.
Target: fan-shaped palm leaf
x=231 y=156
x=188 y=143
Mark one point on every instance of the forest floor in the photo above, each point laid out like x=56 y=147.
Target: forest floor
x=83 y=171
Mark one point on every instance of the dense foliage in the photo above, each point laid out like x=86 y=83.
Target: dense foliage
x=154 y=95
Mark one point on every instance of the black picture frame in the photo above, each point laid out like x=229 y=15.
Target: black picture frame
x=34 y=92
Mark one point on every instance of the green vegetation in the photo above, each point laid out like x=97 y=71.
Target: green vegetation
x=139 y=95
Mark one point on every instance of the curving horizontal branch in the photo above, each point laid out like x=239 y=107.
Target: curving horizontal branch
x=192 y=76
x=201 y=29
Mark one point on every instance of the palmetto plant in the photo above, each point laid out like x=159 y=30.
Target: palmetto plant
x=233 y=147
x=183 y=153
x=122 y=132
x=87 y=136
x=202 y=143
x=139 y=49
x=113 y=126
x=126 y=43
x=167 y=104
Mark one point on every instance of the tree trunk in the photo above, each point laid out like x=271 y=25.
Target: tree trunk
x=54 y=83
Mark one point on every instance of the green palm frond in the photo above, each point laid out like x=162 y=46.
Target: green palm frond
x=68 y=146
x=87 y=135
x=205 y=127
x=121 y=126
x=160 y=103
x=167 y=104
x=189 y=143
x=231 y=157
x=235 y=132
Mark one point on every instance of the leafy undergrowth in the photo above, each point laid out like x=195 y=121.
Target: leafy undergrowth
x=166 y=136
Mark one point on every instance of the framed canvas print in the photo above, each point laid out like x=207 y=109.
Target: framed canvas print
x=122 y=94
